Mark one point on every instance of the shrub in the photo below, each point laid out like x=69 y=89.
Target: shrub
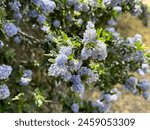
x=64 y=49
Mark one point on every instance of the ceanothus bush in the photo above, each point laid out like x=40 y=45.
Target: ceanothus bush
x=52 y=52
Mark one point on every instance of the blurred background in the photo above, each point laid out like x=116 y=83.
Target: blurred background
x=129 y=26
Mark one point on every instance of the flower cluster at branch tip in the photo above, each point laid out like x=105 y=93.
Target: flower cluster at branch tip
x=15 y=7
x=56 y=23
x=10 y=29
x=99 y=51
x=90 y=33
x=131 y=84
x=47 y=6
x=75 y=107
x=5 y=71
x=41 y=19
x=65 y=69
x=17 y=39
x=26 y=78
x=4 y=92
x=33 y=13
x=144 y=69
x=145 y=86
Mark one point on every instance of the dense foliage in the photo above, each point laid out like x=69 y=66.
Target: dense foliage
x=53 y=52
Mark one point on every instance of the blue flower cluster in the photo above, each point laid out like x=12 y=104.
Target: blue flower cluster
x=106 y=99
x=131 y=84
x=116 y=5
x=60 y=68
x=90 y=34
x=10 y=29
x=145 y=86
x=5 y=71
x=101 y=106
x=75 y=107
x=56 y=23
x=26 y=78
x=99 y=51
x=72 y=2
x=77 y=85
x=15 y=7
x=4 y=92
x=65 y=69
x=33 y=13
x=110 y=98
x=41 y=19
x=144 y=69
x=47 y=6
x=132 y=40
x=17 y=39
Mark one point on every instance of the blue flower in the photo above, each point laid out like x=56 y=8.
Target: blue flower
x=132 y=81
x=47 y=6
x=10 y=29
x=93 y=3
x=77 y=7
x=17 y=16
x=131 y=84
x=24 y=81
x=62 y=71
x=41 y=19
x=56 y=23
x=33 y=13
x=61 y=59
x=26 y=78
x=102 y=107
x=15 y=5
x=76 y=79
x=65 y=50
x=85 y=53
x=144 y=85
x=66 y=76
x=37 y=2
x=77 y=86
x=146 y=95
x=75 y=107
x=85 y=7
x=90 y=34
x=110 y=29
x=74 y=65
x=84 y=71
x=138 y=37
x=100 y=51
x=137 y=10
x=92 y=77
x=17 y=39
x=112 y=22
x=143 y=70
x=5 y=71
x=110 y=98
x=72 y=2
x=69 y=17
x=27 y=74
x=4 y=92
